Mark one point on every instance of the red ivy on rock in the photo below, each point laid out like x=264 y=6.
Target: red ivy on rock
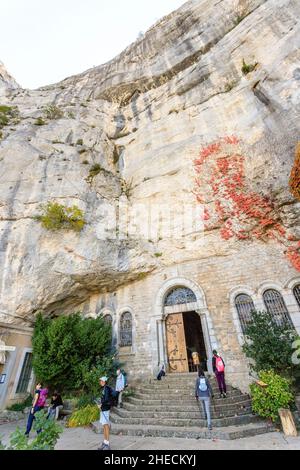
x=239 y=212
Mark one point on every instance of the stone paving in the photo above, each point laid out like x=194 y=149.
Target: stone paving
x=86 y=439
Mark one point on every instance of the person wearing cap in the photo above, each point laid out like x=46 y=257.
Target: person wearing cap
x=105 y=406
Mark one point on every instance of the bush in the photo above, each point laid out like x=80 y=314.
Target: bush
x=84 y=416
x=266 y=401
x=248 y=68
x=65 y=348
x=53 y=112
x=58 y=217
x=39 y=122
x=21 y=406
x=269 y=345
x=106 y=366
x=79 y=142
x=45 y=440
x=8 y=115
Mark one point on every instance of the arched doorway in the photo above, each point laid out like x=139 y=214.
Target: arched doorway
x=185 y=342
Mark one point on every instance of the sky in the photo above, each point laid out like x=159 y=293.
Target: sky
x=45 y=41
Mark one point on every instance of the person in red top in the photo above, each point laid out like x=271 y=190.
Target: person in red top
x=218 y=366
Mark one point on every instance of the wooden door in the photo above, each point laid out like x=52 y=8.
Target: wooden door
x=176 y=345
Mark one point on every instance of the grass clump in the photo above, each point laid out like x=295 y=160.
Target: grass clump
x=40 y=122
x=52 y=112
x=79 y=142
x=8 y=115
x=84 y=416
x=248 y=68
x=94 y=171
x=59 y=217
x=229 y=85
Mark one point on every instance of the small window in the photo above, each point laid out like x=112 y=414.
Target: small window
x=126 y=330
x=244 y=306
x=108 y=319
x=275 y=305
x=25 y=375
x=296 y=291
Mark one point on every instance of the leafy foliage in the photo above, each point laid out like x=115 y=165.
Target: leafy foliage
x=269 y=345
x=8 y=115
x=104 y=367
x=59 y=217
x=45 y=440
x=266 y=401
x=67 y=348
x=52 y=111
x=94 y=171
x=84 y=416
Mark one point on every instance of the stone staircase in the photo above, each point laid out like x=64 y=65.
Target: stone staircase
x=169 y=409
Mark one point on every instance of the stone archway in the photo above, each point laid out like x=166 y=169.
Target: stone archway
x=186 y=297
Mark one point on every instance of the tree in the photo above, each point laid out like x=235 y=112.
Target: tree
x=269 y=345
x=65 y=348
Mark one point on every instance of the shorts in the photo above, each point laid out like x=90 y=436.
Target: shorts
x=104 y=418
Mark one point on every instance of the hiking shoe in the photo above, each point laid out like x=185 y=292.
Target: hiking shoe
x=224 y=395
x=210 y=428
x=106 y=447
x=101 y=447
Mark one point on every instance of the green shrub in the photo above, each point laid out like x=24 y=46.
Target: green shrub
x=230 y=85
x=158 y=255
x=67 y=347
x=84 y=416
x=53 y=112
x=85 y=162
x=266 y=401
x=45 y=440
x=248 y=68
x=106 y=366
x=269 y=345
x=79 y=142
x=40 y=122
x=8 y=115
x=58 y=217
x=21 y=406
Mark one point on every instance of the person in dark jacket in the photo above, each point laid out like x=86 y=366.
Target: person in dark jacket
x=204 y=393
x=55 y=406
x=218 y=366
x=105 y=406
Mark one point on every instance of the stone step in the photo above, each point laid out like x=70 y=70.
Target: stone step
x=178 y=395
x=168 y=388
x=195 y=414
x=178 y=406
x=223 y=433
x=217 y=422
x=187 y=401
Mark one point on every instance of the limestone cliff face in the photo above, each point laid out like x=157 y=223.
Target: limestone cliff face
x=145 y=117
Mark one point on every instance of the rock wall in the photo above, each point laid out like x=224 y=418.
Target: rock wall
x=146 y=118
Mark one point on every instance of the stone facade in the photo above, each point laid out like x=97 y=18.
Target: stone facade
x=179 y=129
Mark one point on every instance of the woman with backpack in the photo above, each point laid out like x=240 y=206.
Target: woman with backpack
x=204 y=393
x=218 y=366
x=39 y=402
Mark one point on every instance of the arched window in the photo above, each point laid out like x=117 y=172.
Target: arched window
x=296 y=291
x=126 y=329
x=108 y=319
x=276 y=306
x=244 y=306
x=180 y=295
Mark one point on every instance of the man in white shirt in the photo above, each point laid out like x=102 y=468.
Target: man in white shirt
x=120 y=385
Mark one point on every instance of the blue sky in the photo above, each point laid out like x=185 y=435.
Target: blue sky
x=42 y=42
